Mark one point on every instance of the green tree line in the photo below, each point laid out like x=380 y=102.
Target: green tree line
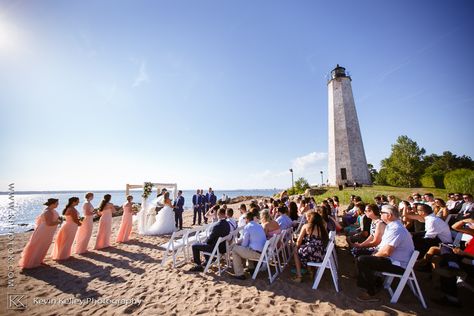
x=408 y=166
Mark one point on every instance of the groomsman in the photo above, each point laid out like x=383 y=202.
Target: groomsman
x=211 y=200
x=178 y=210
x=197 y=201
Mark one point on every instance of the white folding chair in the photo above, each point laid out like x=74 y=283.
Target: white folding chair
x=215 y=255
x=233 y=240
x=268 y=257
x=328 y=263
x=332 y=235
x=407 y=276
x=192 y=237
x=280 y=250
x=300 y=222
x=175 y=246
x=289 y=244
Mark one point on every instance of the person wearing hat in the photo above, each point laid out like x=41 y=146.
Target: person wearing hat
x=37 y=248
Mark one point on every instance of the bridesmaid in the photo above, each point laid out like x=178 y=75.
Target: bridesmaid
x=127 y=220
x=84 y=232
x=37 y=248
x=105 y=223
x=65 y=238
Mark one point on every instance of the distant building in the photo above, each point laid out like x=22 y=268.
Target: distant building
x=346 y=156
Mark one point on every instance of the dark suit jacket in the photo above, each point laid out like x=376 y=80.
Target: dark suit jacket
x=179 y=203
x=219 y=229
x=211 y=199
x=197 y=199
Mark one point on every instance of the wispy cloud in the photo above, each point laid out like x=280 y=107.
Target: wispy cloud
x=142 y=76
x=308 y=161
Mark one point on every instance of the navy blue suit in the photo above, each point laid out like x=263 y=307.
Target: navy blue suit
x=219 y=229
x=178 y=211
x=197 y=203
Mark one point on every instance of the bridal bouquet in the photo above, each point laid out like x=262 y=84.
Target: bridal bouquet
x=147 y=189
x=136 y=208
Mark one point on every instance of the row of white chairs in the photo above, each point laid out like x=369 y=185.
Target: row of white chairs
x=180 y=244
x=276 y=255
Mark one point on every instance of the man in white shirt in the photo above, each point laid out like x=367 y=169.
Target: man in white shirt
x=436 y=230
x=393 y=254
x=243 y=212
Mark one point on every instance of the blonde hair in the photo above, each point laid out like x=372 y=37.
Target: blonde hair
x=265 y=215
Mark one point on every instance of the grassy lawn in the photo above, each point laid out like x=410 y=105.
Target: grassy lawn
x=367 y=193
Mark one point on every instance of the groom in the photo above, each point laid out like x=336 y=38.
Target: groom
x=178 y=210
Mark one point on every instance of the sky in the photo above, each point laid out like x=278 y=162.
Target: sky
x=228 y=94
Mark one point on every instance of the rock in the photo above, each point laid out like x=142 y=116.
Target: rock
x=244 y=198
x=314 y=191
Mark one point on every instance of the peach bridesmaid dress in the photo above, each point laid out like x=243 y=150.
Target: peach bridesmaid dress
x=37 y=248
x=63 y=246
x=105 y=228
x=126 y=225
x=84 y=232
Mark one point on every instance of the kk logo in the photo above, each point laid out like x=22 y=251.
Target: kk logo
x=17 y=301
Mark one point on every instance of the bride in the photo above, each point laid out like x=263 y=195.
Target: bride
x=164 y=220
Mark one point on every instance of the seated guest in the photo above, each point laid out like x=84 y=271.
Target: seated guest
x=219 y=229
x=331 y=224
x=311 y=244
x=243 y=212
x=437 y=230
x=393 y=254
x=456 y=204
x=283 y=220
x=211 y=214
x=455 y=263
x=230 y=219
x=440 y=209
x=467 y=207
x=357 y=226
x=377 y=228
x=293 y=211
x=270 y=226
x=362 y=230
x=249 y=246
x=350 y=217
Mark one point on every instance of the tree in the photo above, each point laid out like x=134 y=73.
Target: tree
x=405 y=164
x=301 y=184
x=437 y=166
x=373 y=172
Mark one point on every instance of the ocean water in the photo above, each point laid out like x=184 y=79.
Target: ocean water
x=27 y=205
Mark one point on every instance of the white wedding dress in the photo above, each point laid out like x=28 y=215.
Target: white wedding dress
x=164 y=223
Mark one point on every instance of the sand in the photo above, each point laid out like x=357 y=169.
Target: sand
x=112 y=281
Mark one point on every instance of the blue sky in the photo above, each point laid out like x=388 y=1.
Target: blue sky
x=229 y=94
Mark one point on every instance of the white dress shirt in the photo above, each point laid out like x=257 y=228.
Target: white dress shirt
x=436 y=227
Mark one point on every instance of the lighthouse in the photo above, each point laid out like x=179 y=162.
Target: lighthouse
x=346 y=156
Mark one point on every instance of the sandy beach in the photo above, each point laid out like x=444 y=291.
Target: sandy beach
x=128 y=278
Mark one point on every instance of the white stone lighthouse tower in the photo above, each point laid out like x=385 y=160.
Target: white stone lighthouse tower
x=346 y=155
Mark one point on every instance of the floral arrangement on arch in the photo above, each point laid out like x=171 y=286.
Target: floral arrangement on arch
x=147 y=189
